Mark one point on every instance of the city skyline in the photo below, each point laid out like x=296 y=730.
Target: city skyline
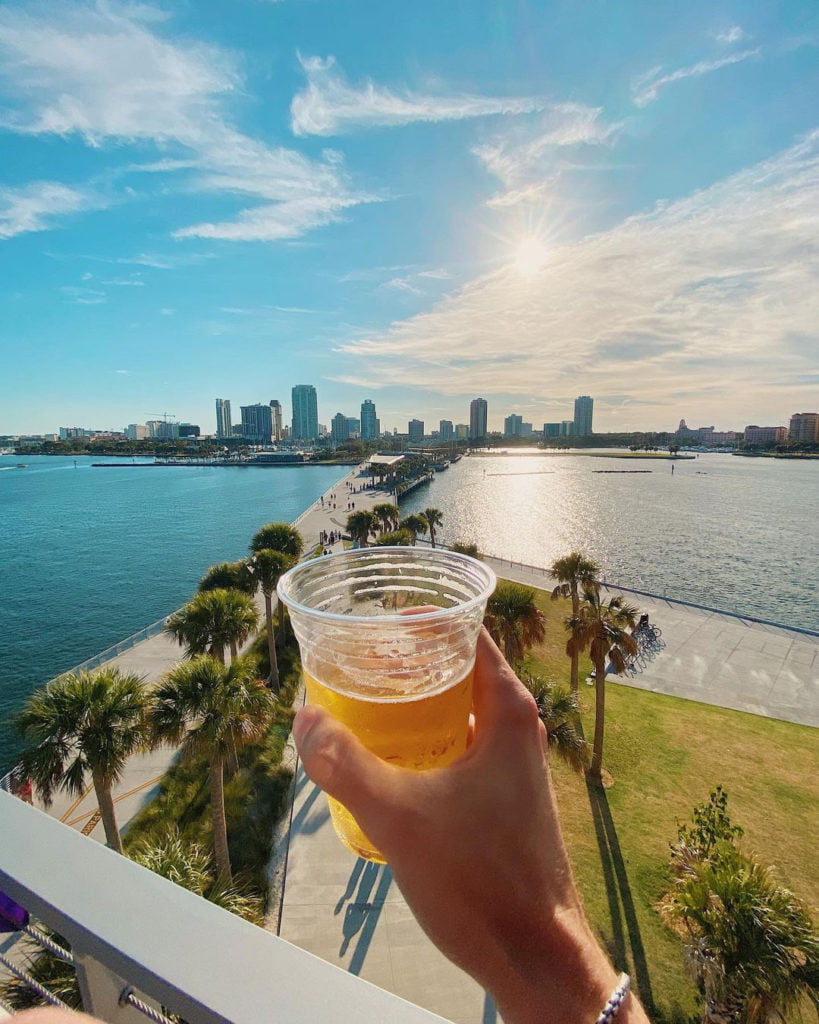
x=422 y=204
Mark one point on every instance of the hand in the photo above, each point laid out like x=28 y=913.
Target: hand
x=476 y=850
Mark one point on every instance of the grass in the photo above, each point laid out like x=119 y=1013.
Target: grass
x=256 y=788
x=665 y=755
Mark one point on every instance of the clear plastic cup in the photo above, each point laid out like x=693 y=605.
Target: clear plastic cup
x=387 y=638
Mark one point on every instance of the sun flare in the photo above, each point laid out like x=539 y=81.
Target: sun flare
x=530 y=255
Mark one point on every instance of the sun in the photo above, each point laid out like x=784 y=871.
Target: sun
x=530 y=256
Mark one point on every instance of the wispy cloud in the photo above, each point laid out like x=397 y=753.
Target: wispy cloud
x=106 y=74
x=330 y=105
x=525 y=156
x=697 y=295
x=647 y=87
x=417 y=283
x=40 y=204
x=734 y=34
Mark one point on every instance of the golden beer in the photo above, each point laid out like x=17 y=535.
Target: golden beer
x=388 y=638
x=412 y=731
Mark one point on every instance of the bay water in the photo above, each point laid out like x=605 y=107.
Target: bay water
x=90 y=555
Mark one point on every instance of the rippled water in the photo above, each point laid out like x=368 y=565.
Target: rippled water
x=89 y=556
x=730 y=532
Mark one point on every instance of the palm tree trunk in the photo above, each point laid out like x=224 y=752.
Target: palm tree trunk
x=273 y=678
x=596 y=769
x=234 y=650
x=217 y=808
x=432 y=535
x=726 y=1012
x=105 y=802
x=576 y=654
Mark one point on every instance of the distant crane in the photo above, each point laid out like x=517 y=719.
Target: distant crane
x=164 y=415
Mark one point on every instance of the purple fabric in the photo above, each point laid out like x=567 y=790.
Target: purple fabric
x=12 y=916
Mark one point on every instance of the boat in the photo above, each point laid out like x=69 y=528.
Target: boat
x=22 y=465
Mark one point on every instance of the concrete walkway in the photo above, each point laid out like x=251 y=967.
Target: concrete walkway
x=717 y=658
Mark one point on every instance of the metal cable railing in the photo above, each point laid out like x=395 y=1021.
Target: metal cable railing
x=31 y=982
x=130 y=999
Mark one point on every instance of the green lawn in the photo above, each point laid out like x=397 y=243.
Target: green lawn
x=665 y=755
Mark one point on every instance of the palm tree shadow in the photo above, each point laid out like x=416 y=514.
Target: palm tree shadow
x=361 y=916
x=625 y=927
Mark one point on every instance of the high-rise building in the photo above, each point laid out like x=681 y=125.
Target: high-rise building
x=162 y=430
x=415 y=430
x=370 y=427
x=224 y=427
x=305 y=413
x=804 y=426
x=257 y=423
x=566 y=428
x=189 y=430
x=446 y=432
x=136 y=431
x=461 y=431
x=276 y=419
x=551 y=430
x=339 y=428
x=515 y=426
x=354 y=426
x=478 y=409
x=583 y=409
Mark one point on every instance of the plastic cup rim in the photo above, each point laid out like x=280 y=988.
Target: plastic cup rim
x=438 y=615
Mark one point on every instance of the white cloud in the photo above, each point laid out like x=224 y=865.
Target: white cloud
x=734 y=34
x=416 y=283
x=710 y=297
x=36 y=206
x=524 y=157
x=104 y=73
x=125 y=282
x=330 y=105
x=647 y=87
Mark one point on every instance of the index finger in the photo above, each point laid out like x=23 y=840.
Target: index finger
x=504 y=709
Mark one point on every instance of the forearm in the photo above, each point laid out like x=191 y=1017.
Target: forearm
x=558 y=975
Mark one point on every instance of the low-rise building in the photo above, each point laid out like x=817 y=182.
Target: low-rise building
x=765 y=435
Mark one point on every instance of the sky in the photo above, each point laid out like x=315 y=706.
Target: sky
x=413 y=203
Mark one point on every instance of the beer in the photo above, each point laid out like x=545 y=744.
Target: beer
x=388 y=638
x=411 y=731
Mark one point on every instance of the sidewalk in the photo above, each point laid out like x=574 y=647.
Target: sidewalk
x=716 y=658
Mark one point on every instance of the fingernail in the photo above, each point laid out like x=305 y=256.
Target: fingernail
x=304 y=723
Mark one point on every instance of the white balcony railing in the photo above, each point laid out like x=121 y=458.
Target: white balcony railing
x=129 y=929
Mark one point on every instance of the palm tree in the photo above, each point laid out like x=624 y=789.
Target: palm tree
x=572 y=573
x=84 y=724
x=750 y=944
x=386 y=515
x=559 y=710
x=211 y=709
x=415 y=524
x=229 y=576
x=360 y=525
x=434 y=518
x=212 y=621
x=601 y=627
x=188 y=865
x=268 y=567
x=278 y=537
x=395 y=538
x=514 y=620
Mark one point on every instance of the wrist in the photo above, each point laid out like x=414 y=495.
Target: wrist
x=559 y=976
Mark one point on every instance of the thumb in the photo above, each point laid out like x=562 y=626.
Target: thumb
x=339 y=763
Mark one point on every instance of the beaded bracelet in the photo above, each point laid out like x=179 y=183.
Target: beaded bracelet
x=615 y=1001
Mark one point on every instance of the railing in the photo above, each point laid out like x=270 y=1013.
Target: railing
x=140 y=943
x=539 y=570
x=124 y=645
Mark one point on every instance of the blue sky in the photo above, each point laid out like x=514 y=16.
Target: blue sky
x=416 y=204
